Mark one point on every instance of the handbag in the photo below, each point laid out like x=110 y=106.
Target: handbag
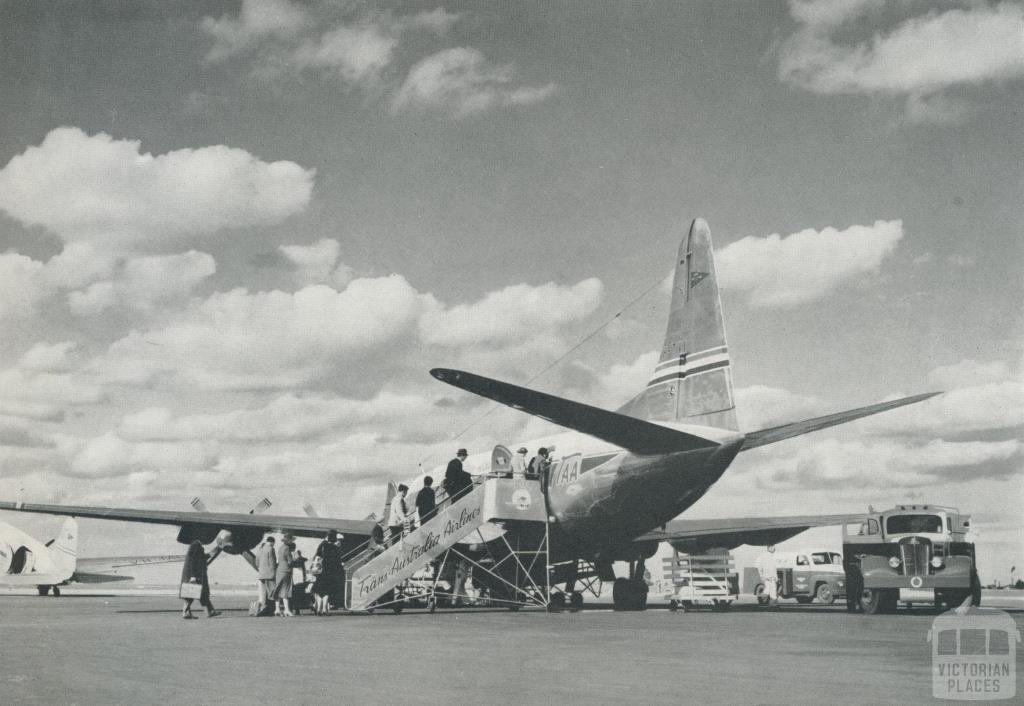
x=190 y=590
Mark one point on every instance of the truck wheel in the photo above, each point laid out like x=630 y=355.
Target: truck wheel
x=824 y=594
x=874 y=601
x=761 y=594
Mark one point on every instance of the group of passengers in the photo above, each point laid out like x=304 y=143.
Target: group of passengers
x=402 y=518
x=276 y=561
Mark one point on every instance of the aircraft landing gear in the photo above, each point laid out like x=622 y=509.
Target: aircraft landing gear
x=56 y=591
x=631 y=593
x=43 y=590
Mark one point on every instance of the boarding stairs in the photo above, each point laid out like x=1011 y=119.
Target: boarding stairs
x=495 y=500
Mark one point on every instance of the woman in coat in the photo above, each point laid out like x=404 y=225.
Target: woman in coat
x=283 y=585
x=194 y=571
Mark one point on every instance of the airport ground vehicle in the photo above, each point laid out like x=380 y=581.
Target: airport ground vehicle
x=808 y=575
x=912 y=547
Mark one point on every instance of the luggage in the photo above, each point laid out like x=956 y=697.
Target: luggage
x=190 y=590
x=255 y=612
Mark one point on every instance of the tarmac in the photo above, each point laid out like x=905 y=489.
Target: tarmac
x=112 y=649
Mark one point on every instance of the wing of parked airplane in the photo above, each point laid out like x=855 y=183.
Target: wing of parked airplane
x=698 y=535
x=299 y=526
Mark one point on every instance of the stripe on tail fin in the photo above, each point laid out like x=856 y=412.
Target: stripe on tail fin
x=692 y=382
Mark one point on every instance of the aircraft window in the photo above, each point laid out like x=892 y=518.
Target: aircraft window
x=908 y=524
x=802 y=561
x=947 y=642
x=820 y=558
x=972 y=641
x=998 y=642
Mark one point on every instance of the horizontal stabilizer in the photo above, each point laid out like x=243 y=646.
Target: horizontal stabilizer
x=770 y=436
x=630 y=433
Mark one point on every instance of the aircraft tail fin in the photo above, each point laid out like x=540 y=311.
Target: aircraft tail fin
x=692 y=381
x=64 y=549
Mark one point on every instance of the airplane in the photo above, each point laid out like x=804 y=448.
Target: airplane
x=627 y=473
x=25 y=561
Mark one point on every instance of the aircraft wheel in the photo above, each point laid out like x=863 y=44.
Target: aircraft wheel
x=824 y=594
x=43 y=590
x=620 y=594
x=639 y=590
x=576 y=601
x=56 y=591
x=556 y=603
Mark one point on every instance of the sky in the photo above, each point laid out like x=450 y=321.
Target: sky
x=234 y=237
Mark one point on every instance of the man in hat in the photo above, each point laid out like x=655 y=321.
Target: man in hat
x=519 y=464
x=456 y=479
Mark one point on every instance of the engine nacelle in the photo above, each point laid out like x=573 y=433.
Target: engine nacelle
x=233 y=541
x=238 y=540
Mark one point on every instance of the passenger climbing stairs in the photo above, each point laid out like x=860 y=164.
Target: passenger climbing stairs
x=498 y=501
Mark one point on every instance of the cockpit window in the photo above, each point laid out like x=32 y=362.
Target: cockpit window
x=910 y=524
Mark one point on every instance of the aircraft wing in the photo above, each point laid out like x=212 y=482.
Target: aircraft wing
x=627 y=432
x=101 y=564
x=697 y=535
x=86 y=577
x=299 y=526
x=771 y=435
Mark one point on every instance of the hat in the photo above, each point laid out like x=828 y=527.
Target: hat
x=522 y=450
x=286 y=537
x=462 y=452
x=332 y=535
x=402 y=486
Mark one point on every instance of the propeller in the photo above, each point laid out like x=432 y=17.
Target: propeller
x=199 y=506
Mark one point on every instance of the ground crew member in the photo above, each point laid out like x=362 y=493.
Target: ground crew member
x=519 y=464
x=769 y=575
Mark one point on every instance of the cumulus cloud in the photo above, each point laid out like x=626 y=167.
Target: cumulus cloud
x=285 y=418
x=804 y=266
x=99 y=189
x=109 y=456
x=142 y=283
x=49 y=358
x=761 y=406
x=43 y=395
x=919 y=57
x=318 y=263
x=514 y=313
x=243 y=340
x=463 y=82
x=21 y=287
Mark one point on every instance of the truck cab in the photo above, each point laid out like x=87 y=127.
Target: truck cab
x=909 y=547
x=806 y=575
